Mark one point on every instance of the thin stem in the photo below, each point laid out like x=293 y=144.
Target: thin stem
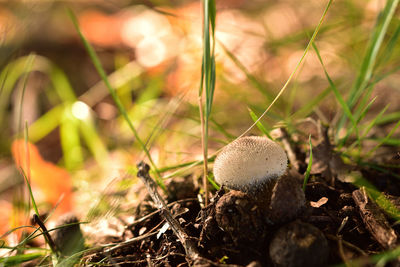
x=205 y=151
x=48 y=238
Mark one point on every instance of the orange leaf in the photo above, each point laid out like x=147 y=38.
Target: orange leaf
x=53 y=181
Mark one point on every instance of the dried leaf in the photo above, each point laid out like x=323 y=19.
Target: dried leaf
x=321 y=157
x=328 y=163
x=53 y=181
x=319 y=203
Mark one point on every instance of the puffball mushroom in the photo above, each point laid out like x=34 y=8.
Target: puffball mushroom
x=249 y=162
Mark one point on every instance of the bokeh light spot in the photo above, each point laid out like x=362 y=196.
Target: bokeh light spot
x=80 y=110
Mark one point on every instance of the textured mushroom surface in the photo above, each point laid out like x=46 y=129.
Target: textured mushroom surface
x=249 y=162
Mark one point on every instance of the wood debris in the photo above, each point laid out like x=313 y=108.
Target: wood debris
x=375 y=220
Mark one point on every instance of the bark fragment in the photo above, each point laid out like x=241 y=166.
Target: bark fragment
x=375 y=220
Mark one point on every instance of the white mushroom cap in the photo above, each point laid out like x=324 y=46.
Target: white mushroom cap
x=249 y=162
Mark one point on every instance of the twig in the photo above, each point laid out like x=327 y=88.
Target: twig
x=188 y=244
x=48 y=238
x=375 y=220
x=289 y=149
x=142 y=219
x=128 y=242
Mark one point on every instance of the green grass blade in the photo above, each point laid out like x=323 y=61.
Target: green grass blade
x=220 y=128
x=62 y=85
x=380 y=168
x=213 y=15
x=189 y=164
x=368 y=63
x=308 y=170
x=28 y=68
x=374 y=121
x=94 y=142
x=365 y=110
x=260 y=126
x=370 y=125
x=305 y=110
x=253 y=80
x=375 y=43
x=27 y=239
x=46 y=123
x=201 y=78
x=387 y=141
x=50 y=120
x=383 y=141
x=124 y=91
x=210 y=95
x=11 y=231
x=380 y=77
x=9 y=76
x=308 y=108
x=389 y=49
x=212 y=182
x=3 y=78
x=30 y=192
x=27 y=176
x=290 y=102
x=337 y=94
x=363 y=107
x=208 y=77
x=395 y=116
x=70 y=140
x=343 y=141
x=121 y=77
x=21 y=258
x=295 y=69
x=377 y=260
x=162 y=122
x=208 y=55
x=186 y=166
x=96 y=61
x=298 y=36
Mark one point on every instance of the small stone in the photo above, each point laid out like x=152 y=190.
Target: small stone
x=287 y=201
x=299 y=244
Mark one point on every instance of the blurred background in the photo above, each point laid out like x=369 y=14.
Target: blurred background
x=152 y=52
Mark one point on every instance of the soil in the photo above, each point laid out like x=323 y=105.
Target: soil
x=333 y=221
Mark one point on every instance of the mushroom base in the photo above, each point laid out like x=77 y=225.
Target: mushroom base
x=280 y=200
x=241 y=218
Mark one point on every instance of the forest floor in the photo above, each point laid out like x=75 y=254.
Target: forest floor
x=334 y=221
